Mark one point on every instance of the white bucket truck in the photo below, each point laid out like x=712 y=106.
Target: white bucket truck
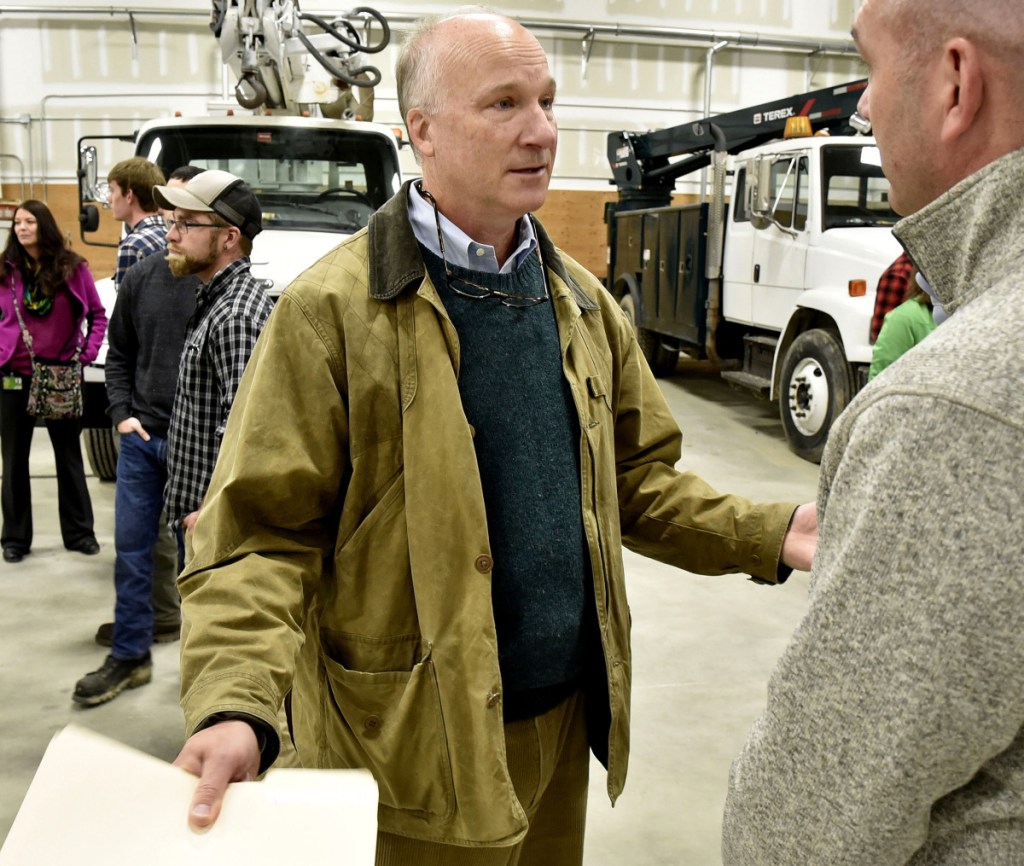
x=773 y=278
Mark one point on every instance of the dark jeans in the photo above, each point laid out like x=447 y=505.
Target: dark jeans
x=73 y=503
x=138 y=506
x=167 y=565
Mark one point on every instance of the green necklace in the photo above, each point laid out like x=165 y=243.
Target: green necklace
x=33 y=299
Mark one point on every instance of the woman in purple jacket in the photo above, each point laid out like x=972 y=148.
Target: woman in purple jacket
x=55 y=294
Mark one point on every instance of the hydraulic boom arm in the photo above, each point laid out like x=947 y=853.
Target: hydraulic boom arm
x=640 y=161
x=279 y=65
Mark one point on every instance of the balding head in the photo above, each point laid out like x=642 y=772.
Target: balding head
x=925 y=25
x=430 y=51
x=479 y=99
x=945 y=86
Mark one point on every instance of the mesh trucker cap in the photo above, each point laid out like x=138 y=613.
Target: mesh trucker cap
x=219 y=192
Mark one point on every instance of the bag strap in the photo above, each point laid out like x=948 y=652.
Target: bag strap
x=28 y=337
x=17 y=311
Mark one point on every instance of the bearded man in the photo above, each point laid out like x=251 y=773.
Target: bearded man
x=216 y=216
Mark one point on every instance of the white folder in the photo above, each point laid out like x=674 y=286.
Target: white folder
x=96 y=801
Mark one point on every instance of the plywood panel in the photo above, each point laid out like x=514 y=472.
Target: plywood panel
x=575 y=221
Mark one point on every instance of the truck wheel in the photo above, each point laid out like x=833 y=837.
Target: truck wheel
x=101 y=451
x=661 y=359
x=815 y=388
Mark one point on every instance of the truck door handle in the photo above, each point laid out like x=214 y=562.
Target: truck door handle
x=757 y=273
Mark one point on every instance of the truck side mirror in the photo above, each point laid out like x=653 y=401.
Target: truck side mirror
x=760 y=193
x=89 y=185
x=93 y=188
x=89 y=218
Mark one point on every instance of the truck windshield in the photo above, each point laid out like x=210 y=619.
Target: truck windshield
x=856 y=192
x=307 y=179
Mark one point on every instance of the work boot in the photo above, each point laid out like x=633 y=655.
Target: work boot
x=161 y=633
x=114 y=677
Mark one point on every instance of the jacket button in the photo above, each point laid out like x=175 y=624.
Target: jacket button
x=484 y=563
x=755 y=559
x=472 y=431
x=372 y=724
x=493 y=698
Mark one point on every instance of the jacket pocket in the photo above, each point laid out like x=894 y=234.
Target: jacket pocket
x=390 y=722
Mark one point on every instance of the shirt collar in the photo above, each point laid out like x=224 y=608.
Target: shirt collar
x=153 y=219
x=225 y=275
x=459 y=248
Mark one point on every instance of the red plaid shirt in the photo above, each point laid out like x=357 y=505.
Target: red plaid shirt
x=891 y=292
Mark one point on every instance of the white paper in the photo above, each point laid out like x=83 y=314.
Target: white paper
x=97 y=802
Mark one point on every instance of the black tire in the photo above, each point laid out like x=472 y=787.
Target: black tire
x=101 y=449
x=815 y=386
x=661 y=359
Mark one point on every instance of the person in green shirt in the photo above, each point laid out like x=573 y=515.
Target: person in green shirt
x=904 y=327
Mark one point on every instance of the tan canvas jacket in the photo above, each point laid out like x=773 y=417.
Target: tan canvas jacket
x=343 y=538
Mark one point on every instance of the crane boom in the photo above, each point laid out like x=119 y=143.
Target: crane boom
x=641 y=161
x=289 y=60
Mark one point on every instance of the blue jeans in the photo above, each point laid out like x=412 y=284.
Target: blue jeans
x=138 y=505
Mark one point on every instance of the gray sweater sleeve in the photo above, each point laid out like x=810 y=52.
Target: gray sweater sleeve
x=889 y=711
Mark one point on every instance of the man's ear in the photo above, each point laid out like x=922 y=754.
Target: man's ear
x=962 y=87
x=420 y=131
x=232 y=236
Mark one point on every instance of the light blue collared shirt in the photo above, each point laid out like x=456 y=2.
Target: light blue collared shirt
x=459 y=248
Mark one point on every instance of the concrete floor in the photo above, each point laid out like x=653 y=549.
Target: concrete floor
x=703 y=646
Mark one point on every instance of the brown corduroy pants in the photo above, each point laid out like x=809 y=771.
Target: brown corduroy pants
x=549 y=763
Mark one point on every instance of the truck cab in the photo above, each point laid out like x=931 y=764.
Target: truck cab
x=807 y=257
x=317 y=180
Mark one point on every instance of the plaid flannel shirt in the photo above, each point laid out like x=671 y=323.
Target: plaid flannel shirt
x=891 y=292
x=231 y=310
x=148 y=236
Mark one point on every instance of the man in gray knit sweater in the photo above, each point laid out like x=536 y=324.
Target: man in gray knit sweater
x=893 y=731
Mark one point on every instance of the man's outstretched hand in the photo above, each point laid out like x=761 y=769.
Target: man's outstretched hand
x=220 y=754
x=801 y=539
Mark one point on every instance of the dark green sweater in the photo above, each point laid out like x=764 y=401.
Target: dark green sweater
x=527 y=445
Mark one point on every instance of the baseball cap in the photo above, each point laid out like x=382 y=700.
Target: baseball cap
x=219 y=192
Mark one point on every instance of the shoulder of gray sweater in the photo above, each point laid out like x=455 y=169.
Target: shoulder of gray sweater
x=973 y=359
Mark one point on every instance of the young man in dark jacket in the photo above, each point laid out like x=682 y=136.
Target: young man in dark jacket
x=145 y=337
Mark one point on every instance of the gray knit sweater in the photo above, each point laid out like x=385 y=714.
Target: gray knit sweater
x=893 y=731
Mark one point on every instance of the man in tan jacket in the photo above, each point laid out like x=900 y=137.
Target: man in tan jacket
x=442 y=441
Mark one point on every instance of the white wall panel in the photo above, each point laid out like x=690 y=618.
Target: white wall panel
x=81 y=74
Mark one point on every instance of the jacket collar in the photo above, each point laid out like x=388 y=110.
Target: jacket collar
x=972 y=236
x=396 y=262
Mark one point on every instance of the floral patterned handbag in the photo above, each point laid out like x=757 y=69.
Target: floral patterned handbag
x=56 y=389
